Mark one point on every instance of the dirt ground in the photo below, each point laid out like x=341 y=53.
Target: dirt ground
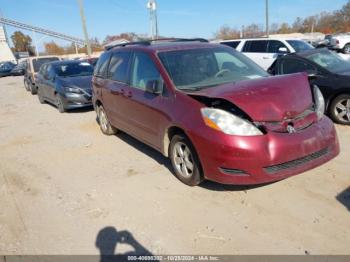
x=67 y=189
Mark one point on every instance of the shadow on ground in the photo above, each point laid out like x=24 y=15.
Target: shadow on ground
x=344 y=198
x=109 y=238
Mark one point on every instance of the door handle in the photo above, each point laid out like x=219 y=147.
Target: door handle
x=266 y=57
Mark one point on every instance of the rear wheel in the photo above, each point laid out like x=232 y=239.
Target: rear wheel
x=340 y=109
x=104 y=123
x=33 y=89
x=59 y=104
x=185 y=161
x=346 y=49
x=26 y=84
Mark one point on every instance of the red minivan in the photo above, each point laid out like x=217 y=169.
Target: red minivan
x=215 y=113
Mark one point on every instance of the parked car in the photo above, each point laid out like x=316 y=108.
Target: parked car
x=65 y=84
x=215 y=113
x=19 y=70
x=331 y=74
x=33 y=66
x=341 y=42
x=6 y=68
x=264 y=51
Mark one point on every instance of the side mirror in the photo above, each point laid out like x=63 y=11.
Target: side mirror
x=283 y=50
x=312 y=74
x=154 y=87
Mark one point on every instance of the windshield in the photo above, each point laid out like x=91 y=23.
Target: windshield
x=196 y=69
x=299 y=45
x=74 y=69
x=330 y=61
x=37 y=63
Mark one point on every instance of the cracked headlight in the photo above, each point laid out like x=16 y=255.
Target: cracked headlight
x=228 y=123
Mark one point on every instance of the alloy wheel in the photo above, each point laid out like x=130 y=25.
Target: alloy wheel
x=103 y=120
x=183 y=159
x=342 y=110
x=347 y=49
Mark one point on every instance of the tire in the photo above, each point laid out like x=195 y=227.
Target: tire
x=339 y=109
x=59 y=104
x=26 y=84
x=185 y=161
x=104 y=123
x=33 y=89
x=40 y=97
x=346 y=49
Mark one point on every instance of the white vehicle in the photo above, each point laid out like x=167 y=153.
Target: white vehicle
x=264 y=51
x=341 y=42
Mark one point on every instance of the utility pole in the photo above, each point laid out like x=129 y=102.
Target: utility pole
x=267 y=18
x=83 y=21
x=152 y=6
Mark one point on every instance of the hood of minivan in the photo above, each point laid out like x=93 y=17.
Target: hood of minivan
x=269 y=99
x=83 y=82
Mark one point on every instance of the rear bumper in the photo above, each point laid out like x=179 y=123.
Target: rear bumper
x=263 y=159
x=72 y=101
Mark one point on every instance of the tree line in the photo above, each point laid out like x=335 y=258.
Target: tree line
x=325 y=22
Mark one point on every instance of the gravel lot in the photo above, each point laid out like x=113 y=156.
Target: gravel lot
x=67 y=189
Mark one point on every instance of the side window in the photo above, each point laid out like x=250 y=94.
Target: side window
x=42 y=70
x=50 y=72
x=233 y=44
x=255 y=46
x=291 y=66
x=144 y=70
x=118 y=67
x=274 y=46
x=102 y=64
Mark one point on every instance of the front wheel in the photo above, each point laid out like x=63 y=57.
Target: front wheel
x=104 y=123
x=40 y=97
x=340 y=109
x=185 y=161
x=59 y=104
x=346 y=49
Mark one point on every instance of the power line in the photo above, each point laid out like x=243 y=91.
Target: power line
x=41 y=31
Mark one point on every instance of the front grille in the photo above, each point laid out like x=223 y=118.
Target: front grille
x=296 y=163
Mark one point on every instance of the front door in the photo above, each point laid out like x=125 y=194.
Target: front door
x=145 y=112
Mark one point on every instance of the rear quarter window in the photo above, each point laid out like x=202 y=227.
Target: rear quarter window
x=255 y=46
x=101 y=65
x=232 y=44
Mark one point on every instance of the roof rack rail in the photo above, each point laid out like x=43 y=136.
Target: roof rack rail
x=149 y=42
x=109 y=47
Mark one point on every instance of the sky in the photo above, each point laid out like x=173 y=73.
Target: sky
x=176 y=18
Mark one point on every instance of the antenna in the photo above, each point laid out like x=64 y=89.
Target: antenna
x=152 y=7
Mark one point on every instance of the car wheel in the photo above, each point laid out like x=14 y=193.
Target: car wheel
x=346 y=49
x=185 y=161
x=33 y=89
x=340 y=109
x=26 y=85
x=104 y=123
x=40 y=97
x=59 y=104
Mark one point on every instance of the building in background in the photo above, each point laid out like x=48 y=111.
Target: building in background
x=5 y=51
